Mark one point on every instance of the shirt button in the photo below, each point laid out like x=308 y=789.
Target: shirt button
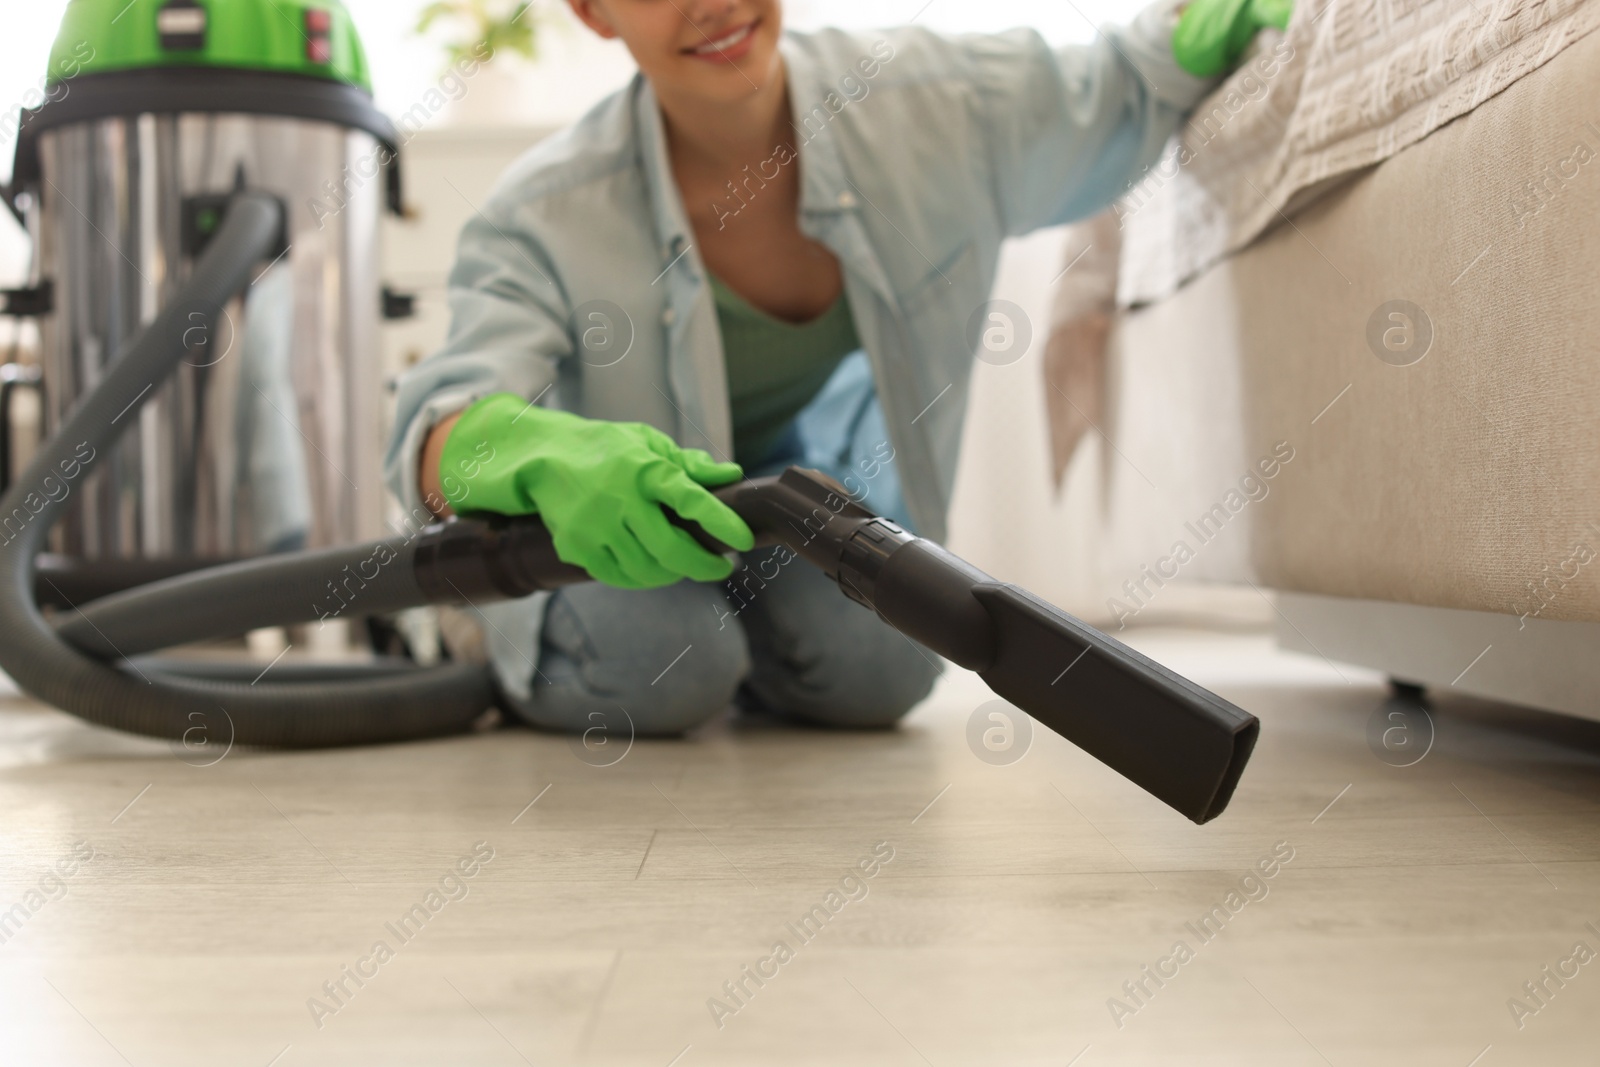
x=847 y=199
x=668 y=317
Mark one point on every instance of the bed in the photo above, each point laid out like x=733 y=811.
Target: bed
x=1372 y=391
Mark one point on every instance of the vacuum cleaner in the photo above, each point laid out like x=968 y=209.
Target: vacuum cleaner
x=198 y=150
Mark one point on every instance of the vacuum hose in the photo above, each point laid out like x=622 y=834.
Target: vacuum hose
x=1183 y=744
x=146 y=699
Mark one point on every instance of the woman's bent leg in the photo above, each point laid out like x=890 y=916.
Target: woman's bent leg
x=819 y=656
x=665 y=660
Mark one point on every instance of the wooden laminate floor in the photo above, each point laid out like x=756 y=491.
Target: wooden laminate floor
x=224 y=914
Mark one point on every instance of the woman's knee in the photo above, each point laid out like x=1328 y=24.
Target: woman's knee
x=648 y=662
x=875 y=700
x=822 y=657
x=856 y=673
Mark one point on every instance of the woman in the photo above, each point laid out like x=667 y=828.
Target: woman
x=776 y=248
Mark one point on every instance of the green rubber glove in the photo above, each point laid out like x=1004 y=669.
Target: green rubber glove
x=1213 y=34
x=598 y=485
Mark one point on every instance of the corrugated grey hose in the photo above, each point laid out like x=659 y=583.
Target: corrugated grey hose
x=387 y=706
x=226 y=600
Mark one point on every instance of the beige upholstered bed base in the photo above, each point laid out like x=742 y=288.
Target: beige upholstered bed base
x=1425 y=341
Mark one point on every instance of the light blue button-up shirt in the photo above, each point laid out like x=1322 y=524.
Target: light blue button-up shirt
x=578 y=283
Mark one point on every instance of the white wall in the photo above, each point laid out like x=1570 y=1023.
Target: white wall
x=575 y=69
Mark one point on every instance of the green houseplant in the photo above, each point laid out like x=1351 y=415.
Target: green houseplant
x=483 y=28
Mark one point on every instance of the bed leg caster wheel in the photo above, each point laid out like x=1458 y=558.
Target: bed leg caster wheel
x=1404 y=690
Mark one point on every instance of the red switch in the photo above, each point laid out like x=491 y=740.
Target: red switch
x=319 y=26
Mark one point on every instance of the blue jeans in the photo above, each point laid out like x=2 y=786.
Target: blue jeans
x=672 y=658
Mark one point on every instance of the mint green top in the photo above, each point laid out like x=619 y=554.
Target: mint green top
x=311 y=37
x=775 y=368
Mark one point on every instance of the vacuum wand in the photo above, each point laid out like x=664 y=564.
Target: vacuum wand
x=1181 y=743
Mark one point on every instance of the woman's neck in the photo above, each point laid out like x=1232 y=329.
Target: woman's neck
x=742 y=194
x=726 y=135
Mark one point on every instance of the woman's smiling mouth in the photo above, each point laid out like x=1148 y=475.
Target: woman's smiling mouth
x=730 y=47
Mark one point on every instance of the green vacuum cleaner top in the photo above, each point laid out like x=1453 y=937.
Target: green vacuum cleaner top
x=309 y=37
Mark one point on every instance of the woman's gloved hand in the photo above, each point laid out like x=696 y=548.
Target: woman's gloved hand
x=598 y=485
x=1213 y=34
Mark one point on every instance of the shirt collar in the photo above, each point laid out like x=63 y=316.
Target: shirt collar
x=824 y=189
x=666 y=205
